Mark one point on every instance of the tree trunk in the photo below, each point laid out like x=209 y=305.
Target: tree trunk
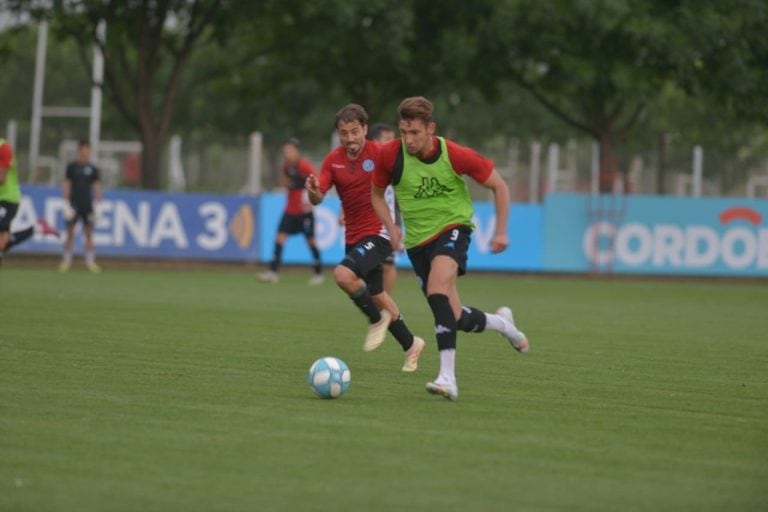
x=661 y=175
x=609 y=165
x=150 y=161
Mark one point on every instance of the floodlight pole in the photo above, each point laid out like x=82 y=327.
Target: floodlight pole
x=37 y=98
x=10 y=133
x=698 y=170
x=97 y=77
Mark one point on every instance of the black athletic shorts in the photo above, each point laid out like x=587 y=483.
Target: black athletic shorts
x=7 y=213
x=365 y=259
x=300 y=223
x=83 y=212
x=453 y=242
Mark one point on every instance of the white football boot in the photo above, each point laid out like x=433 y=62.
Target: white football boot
x=412 y=355
x=377 y=332
x=268 y=276
x=511 y=332
x=444 y=389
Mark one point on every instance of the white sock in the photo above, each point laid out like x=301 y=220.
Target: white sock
x=67 y=258
x=494 y=322
x=90 y=258
x=447 y=366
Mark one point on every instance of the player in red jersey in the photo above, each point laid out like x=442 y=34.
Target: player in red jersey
x=360 y=275
x=427 y=172
x=298 y=216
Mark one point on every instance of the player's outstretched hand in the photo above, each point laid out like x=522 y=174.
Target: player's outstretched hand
x=69 y=212
x=499 y=243
x=96 y=212
x=312 y=185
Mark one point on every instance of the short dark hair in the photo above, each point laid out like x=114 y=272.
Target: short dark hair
x=375 y=131
x=293 y=141
x=82 y=143
x=416 y=107
x=351 y=112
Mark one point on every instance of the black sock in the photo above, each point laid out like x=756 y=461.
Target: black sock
x=363 y=300
x=472 y=320
x=316 y=255
x=277 y=257
x=19 y=236
x=445 y=322
x=402 y=334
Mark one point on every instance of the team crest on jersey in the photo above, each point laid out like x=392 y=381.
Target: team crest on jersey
x=87 y=170
x=368 y=165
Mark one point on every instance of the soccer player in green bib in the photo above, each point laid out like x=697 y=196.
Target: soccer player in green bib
x=427 y=172
x=10 y=197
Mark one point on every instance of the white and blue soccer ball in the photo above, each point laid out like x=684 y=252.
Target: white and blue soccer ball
x=329 y=377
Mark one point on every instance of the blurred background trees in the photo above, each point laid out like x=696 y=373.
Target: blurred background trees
x=646 y=80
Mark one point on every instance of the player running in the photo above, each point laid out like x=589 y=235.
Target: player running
x=381 y=133
x=82 y=185
x=10 y=197
x=426 y=172
x=298 y=216
x=349 y=168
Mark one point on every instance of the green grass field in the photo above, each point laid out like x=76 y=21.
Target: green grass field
x=186 y=390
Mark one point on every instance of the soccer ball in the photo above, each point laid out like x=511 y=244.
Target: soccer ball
x=329 y=377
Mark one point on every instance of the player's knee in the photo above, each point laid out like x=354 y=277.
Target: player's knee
x=344 y=276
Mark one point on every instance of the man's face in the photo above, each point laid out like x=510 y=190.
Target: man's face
x=352 y=136
x=417 y=136
x=84 y=153
x=290 y=154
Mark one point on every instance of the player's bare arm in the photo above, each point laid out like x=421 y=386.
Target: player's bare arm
x=500 y=239
x=97 y=190
x=66 y=189
x=312 y=185
x=382 y=212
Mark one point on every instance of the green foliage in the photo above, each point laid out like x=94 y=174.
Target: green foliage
x=622 y=71
x=729 y=45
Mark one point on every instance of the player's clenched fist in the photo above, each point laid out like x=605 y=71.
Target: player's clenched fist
x=313 y=188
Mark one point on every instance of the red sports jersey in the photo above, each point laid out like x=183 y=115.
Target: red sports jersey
x=297 y=175
x=463 y=160
x=352 y=179
x=6 y=155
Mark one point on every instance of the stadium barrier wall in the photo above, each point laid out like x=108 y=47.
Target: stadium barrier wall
x=151 y=224
x=568 y=233
x=656 y=235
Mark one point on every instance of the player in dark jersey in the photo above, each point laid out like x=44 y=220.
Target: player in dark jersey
x=426 y=172
x=349 y=168
x=298 y=217
x=82 y=185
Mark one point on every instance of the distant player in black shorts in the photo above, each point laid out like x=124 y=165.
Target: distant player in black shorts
x=298 y=217
x=82 y=193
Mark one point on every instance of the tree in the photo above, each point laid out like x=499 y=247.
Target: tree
x=147 y=49
x=728 y=62
x=595 y=64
